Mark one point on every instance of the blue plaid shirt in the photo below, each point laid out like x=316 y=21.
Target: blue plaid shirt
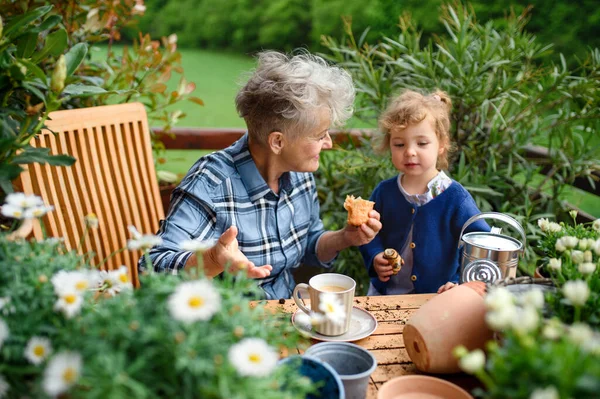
x=225 y=189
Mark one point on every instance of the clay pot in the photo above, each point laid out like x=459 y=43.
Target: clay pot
x=455 y=317
x=421 y=386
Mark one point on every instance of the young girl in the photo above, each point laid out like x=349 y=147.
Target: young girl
x=422 y=209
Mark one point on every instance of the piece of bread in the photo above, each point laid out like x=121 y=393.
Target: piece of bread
x=358 y=210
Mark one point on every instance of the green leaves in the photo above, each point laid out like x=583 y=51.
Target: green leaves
x=75 y=56
x=20 y=22
x=56 y=43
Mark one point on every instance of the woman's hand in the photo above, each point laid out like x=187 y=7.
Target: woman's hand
x=382 y=267
x=226 y=253
x=364 y=233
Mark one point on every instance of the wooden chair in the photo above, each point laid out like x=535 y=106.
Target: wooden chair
x=113 y=177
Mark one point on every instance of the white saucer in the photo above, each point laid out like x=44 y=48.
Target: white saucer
x=362 y=325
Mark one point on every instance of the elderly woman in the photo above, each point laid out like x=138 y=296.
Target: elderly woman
x=258 y=196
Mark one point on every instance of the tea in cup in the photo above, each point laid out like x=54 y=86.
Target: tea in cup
x=338 y=286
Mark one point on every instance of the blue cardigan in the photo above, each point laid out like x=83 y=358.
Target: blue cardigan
x=436 y=230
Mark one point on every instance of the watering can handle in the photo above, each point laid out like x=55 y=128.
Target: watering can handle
x=498 y=216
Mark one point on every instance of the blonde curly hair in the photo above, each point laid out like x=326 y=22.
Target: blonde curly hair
x=412 y=107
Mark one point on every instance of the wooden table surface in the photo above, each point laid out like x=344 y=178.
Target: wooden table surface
x=386 y=343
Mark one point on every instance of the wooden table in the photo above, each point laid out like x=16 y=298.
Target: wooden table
x=386 y=343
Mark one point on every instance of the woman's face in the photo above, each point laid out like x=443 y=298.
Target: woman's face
x=302 y=154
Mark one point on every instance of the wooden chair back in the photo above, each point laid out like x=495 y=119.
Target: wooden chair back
x=113 y=177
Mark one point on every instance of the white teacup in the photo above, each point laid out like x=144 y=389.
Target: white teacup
x=337 y=285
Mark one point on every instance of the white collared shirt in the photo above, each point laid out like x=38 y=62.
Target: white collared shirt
x=435 y=187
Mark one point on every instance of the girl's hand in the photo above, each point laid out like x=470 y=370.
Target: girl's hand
x=382 y=267
x=446 y=287
x=363 y=234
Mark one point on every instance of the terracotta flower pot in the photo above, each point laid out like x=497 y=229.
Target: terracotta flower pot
x=455 y=317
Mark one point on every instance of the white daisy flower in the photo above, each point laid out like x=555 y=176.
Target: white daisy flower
x=121 y=276
x=4 y=387
x=332 y=307
x=193 y=301
x=69 y=303
x=91 y=220
x=11 y=211
x=37 y=350
x=549 y=392
x=555 y=264
x=196 y=245
x=142 y=241
x=23 y=201
x=37 y=211
x=68 y=281
x=472 y=362
x=577 y=292
x=108 y=282
x=253 y=357
x=62 y=373
x=587 y=268
x=4 y=332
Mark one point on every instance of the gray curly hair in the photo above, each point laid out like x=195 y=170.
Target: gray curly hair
x=285 y=92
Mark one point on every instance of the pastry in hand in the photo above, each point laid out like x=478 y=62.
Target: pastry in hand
x=358 y=210
x=394 y=258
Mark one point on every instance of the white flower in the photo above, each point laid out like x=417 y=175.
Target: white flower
x=525 y=320
x=91 y=220
x=573 y=213
x=140 y=241
x=580 y=333
x=587 y=268
x=501 y=319
x=553 y=329
x=193 y=301
x=69 y=281
x=62 y=373
x=11 y=211
x=545 y=393
x=554 y=227
x=4 y=387
x=587 y=256
x=114 y=281
x=577 y=292
x=37 y=211
x=499 y=298
x=560 y=246
x=253 y=357
x=4 y=332
x=69 y=303
x=584 y=244
x=577 y=257
x=596 y=225
x=196 y=245
x=543 y=223
x=596 y=247
x=555 y=264
x=534 y=298
x=570 y=242
x=37 y=350
x=333 y=308
x=472 y=362
x=23 y=201
x=138 y=9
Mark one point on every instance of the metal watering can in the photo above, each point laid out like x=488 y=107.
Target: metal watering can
x=490 y=256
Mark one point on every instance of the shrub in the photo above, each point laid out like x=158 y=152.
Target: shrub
x=504 y=100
